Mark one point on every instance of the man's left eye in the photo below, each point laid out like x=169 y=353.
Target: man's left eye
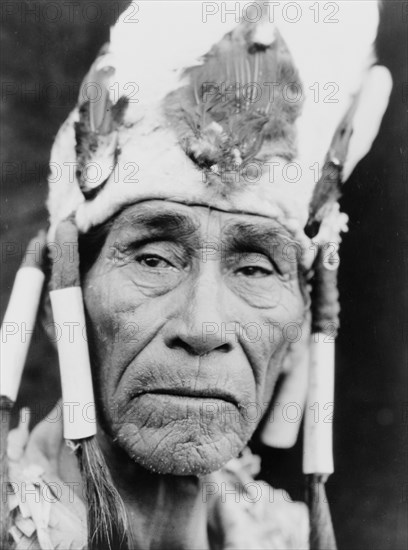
x=153 y=261
x=254 y=271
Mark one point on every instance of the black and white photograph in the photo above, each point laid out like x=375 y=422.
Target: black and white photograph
x=204 y=259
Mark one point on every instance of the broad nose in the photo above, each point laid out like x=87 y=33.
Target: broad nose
x=200 y=325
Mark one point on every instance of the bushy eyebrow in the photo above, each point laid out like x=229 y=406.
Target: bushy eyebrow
x=166 y=224
x=244 y=236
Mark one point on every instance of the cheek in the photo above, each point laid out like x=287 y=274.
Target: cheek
x=267 y=333
x=112 y=302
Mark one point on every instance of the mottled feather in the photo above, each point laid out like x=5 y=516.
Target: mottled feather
x=96 y=132
x=234 y=108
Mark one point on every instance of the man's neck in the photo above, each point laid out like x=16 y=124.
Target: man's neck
x=164 y=511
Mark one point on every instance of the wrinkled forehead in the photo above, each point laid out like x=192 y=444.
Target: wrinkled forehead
x=199 y=226
x=173 y=216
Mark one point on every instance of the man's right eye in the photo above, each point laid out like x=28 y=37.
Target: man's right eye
x=153 y=261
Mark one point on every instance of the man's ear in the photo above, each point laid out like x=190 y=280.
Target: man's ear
x=372 y=104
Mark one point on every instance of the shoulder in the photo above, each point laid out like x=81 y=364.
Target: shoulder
x=45 y=512
x=248 y=513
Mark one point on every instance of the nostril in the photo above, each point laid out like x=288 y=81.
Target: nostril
x=224 y=348
x=198 y=347
x=178 y=343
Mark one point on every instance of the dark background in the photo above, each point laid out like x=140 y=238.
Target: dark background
x=47 y=48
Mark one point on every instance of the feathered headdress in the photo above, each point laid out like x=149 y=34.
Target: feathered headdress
x=186 y=104
x=248 y=108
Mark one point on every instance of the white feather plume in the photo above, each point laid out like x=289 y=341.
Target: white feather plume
x=333 y=59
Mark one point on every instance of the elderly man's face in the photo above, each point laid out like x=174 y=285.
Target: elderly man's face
x=188 y=311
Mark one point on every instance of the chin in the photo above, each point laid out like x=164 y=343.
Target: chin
x=165 y=452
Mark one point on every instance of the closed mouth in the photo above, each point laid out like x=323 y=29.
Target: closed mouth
x=194 y=394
